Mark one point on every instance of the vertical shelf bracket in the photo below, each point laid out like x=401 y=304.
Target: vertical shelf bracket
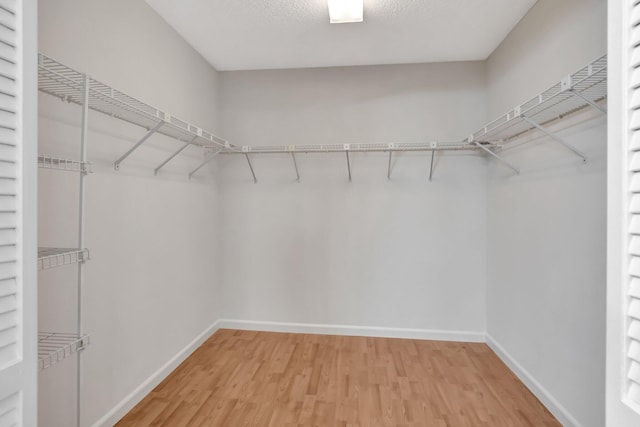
x=555 y=138
x=566 y=84
x=391 y=148
x=588 y=101
x=346 y=150
x=206 y=161
x=434 y=145
x=295 y=165
x=155 y=171
x=509 y=165
x=246 y=154
x=81 y=210
x=116 y=164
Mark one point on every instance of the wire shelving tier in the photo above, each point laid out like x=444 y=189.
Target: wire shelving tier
x=357 y=148
x=68 y=84
x=58 y=163
x=61 y=81
x=586 y=87
x=53 y=347
x=57 y=257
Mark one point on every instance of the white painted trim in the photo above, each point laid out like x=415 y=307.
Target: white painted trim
x=133 y=398
x=350 y=330
x=619 y=411
x=547 y=399
x=28 y=205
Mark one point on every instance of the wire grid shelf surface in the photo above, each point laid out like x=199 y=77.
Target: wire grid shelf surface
x=585 y=87
x=68 y=84
x=53 y=347
x=57 y=257
x=563 y=98
x=58 y=163
x=358 y=147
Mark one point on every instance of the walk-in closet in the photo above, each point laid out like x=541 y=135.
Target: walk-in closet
x=319 y=213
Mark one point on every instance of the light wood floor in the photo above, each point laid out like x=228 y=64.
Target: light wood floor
x=242 y=378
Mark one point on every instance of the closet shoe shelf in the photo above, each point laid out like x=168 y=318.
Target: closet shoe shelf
x=57 y=257
x=58 y=163
x=53 y=347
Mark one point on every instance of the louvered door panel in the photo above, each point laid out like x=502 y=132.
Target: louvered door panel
x=18 y=123
x=10 y=410
x=623 y=215
x=633 y=303
x=9 y=302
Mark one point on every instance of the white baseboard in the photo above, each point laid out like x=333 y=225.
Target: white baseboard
x=547 y=399
x=126 y=404
x=349 y=330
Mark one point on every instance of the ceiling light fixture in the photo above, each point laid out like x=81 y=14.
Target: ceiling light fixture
x=345 y=11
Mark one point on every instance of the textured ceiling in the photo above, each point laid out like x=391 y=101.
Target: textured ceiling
x=267 y=34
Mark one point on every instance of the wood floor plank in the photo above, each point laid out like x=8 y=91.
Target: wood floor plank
x=262 y=379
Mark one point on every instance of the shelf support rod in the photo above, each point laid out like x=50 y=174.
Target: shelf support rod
x=116 y=164
x=295 y=164
x=515 y=169
x=389 y=167
x=155 y=171
x=433 y=153
x=255 y=180
x=207 y=160
x=348 y=165
x=81 y=211
x=588 y=101
x=555 y=138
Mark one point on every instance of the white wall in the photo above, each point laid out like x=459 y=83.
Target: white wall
x=554 y=39
x=401 y=254
x=546 y=227
x=152 y=283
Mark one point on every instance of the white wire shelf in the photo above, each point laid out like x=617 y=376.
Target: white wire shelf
x=53 y=347
x=358 y=147
x=66 y=83
x=58 y=163
x=57 y=257
x=586 y=87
